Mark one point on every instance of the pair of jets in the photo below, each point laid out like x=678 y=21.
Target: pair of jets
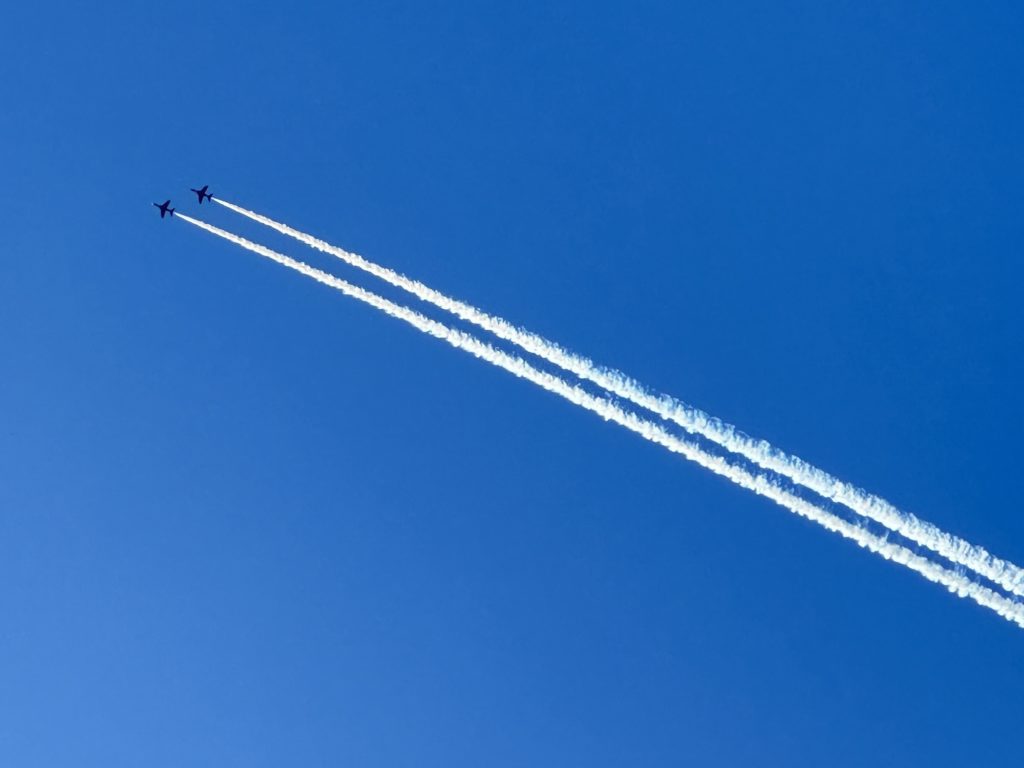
x=165 y=206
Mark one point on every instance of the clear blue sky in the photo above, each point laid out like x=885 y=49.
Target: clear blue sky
x=247 y=522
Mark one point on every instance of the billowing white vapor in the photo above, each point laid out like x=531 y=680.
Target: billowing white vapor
x=761 y=452
x=758 y=483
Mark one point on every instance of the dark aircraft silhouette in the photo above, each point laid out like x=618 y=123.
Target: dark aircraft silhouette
x=201 y=193
x=164 y=209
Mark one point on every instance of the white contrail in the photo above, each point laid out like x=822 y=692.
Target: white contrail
x=760 y=484
x=761 y=452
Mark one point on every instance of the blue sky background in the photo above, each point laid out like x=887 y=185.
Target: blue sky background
x=247 y=522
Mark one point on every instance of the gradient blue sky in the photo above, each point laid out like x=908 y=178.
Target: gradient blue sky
x=247 y=522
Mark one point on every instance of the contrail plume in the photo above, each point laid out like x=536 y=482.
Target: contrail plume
x=695 y=421
x=758 y=483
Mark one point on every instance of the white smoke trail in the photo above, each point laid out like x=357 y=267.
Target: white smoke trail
x=760 y=484
x=761 y=452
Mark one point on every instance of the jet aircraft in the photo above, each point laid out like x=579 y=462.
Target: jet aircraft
x=164 y=208
x=201 y=193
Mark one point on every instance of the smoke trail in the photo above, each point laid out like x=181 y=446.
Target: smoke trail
x=760 y=484
x=761 y=452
